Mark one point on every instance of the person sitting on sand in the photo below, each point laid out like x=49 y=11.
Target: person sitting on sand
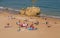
x=18 y=22
x=19 y=29
x=46 y=22
x=45 y=18
x=32 y=27
x=21 y=24
x=47 y=25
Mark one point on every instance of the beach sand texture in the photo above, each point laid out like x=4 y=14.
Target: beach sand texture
x=42 y=32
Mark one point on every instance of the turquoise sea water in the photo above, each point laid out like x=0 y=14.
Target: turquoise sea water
x=48 y=7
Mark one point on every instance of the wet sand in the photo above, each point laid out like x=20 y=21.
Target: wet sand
x=43 y=30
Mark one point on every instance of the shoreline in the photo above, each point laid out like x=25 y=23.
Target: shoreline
x=17 y=11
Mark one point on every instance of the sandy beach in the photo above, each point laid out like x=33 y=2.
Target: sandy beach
x=51 y=29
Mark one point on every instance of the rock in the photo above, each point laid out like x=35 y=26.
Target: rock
x=30 y=11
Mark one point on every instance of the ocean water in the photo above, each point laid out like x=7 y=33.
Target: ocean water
x=48 y=7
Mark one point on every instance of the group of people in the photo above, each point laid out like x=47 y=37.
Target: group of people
x=26 y=26
x=23 y=24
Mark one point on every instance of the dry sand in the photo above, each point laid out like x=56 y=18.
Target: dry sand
x=42 y=32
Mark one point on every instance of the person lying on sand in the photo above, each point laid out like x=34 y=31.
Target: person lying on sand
x=8 y=25
x=37 y=22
